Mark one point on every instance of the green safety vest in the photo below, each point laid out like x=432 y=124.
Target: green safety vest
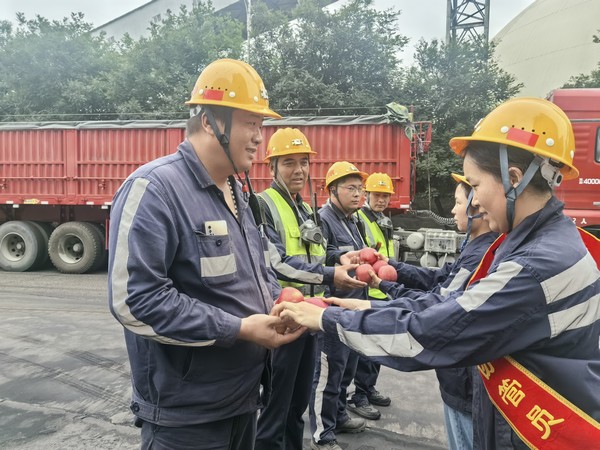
x=375 y=235
x=286 y=224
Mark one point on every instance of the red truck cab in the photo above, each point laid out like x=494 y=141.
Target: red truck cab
x=582 y=195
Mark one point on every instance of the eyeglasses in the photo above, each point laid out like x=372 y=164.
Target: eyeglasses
x=354 y=189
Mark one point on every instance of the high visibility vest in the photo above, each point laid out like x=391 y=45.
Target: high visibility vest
x=286 y=224
x=374 y=234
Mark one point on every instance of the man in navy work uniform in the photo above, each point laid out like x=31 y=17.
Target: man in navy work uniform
x=336 y=363
x=188 y=275
x=298 y=258
x=379 y=234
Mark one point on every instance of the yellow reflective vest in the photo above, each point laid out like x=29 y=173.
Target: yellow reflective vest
x=286 y=225
x=374 y=234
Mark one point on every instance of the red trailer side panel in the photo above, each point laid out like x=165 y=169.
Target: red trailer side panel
x=85 y=163
x=582 y=195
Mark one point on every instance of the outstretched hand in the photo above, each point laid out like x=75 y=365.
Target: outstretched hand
x=349 y=303
x=375 y=280
x=270 y=331
x=302 y=313
x=352 y=257
x=345 y=282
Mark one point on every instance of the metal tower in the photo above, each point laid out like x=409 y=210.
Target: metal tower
x=468 y=20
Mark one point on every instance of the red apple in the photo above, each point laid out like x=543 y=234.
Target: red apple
x=289 y=294
x=367 y=255
x=388 y=273
x=316 y=301
x=362 y=272
x=378 y=265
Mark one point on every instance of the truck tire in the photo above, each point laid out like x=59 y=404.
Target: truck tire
x=21 y=246
x=102 y=260
x=45 y=230
x=74 y=247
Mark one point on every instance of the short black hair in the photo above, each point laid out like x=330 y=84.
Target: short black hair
x=337 y=182
x=220 y=113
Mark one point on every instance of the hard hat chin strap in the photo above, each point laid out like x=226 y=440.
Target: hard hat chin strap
x=470 y=218
x=223 y=138
x=512 y=192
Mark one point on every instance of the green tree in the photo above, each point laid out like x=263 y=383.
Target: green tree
x=158 y=72
x=53 y=70
x=453 y=86
x=340 y=62
x=591 y=80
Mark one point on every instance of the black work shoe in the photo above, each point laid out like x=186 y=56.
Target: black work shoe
x=376 y=398
x=332 y=445
x=367 y=411
x=351 y=426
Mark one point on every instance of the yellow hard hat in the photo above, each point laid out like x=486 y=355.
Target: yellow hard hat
x=379 y=182
x=288 y=141
x=460 y=179
x=341 y=169
x=531 y=124
x=232 y=83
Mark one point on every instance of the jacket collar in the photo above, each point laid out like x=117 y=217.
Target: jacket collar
x=339 y=213
x=201 y=175
x=529 y=226
x=371 y=215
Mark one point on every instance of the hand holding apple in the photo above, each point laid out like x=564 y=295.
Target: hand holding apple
x=352 y=257
x=304 y=314
x=363 y=272
x=345 y=282
x=316 y=301
x=349 y=303
x=289 y=294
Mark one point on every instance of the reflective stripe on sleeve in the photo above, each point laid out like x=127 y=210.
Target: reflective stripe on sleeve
x=488 y=286
x=396 y=345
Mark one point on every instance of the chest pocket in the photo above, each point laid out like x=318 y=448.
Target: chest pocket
x=344 y=242
x=217 y=261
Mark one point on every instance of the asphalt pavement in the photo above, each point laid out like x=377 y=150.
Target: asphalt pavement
x=64 y=375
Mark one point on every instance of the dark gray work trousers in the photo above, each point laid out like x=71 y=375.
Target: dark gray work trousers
x=235 y=433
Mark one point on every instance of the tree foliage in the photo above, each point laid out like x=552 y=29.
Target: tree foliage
x=52 y=69
x=60 y=70
x=159 y=71
x=453 y=86
x=343 y=61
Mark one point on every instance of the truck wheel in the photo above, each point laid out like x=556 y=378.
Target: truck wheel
x=45 y=230
x=74 y=247
x=21 y=246
x=102 y=259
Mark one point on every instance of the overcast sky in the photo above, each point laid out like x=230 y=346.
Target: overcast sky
x=419 y=18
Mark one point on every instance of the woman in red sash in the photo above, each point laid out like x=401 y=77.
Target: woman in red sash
x=529 y=318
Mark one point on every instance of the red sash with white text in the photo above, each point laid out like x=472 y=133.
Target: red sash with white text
x=537 y=413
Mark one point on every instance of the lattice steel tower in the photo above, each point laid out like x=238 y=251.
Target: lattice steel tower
x=468 y=20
